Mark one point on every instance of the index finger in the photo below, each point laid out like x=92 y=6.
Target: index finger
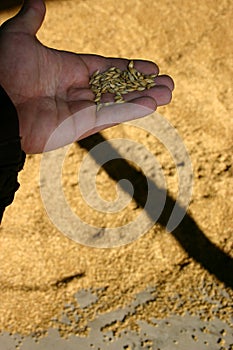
x=101 y=63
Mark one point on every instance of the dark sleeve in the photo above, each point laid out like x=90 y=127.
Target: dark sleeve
x=12 y=157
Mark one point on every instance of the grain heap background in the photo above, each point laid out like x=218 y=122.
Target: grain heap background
x=192 y=42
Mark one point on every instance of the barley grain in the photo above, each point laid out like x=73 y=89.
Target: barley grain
x=118 y=82
x=141 y=88
x=143 y=82
x=131 y=77
x=151 y=85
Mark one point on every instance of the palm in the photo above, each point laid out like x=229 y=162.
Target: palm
x=45 y=85
x=49 y=86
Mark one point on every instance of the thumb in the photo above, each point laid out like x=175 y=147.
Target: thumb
x=29 y=19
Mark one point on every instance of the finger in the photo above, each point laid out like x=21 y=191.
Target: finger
x=119 y=113
x=29 y=19
x=161 y=94
x=165 y=80
x=84 y=120
x=95 y=62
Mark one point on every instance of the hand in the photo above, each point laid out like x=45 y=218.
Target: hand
x=48 y=86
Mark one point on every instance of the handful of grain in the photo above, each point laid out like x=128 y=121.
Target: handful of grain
x=118 y=82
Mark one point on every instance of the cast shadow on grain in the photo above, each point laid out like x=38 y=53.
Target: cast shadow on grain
x=188 y=234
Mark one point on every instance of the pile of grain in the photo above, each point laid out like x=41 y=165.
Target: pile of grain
x=118 y=82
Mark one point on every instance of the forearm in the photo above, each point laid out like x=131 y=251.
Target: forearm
x=11 y=156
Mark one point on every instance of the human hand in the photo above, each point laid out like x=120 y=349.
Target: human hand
x=48 y=86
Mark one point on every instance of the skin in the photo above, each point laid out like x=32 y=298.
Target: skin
x=50 y=89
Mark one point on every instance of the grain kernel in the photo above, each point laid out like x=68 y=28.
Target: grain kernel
x=118 y=82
